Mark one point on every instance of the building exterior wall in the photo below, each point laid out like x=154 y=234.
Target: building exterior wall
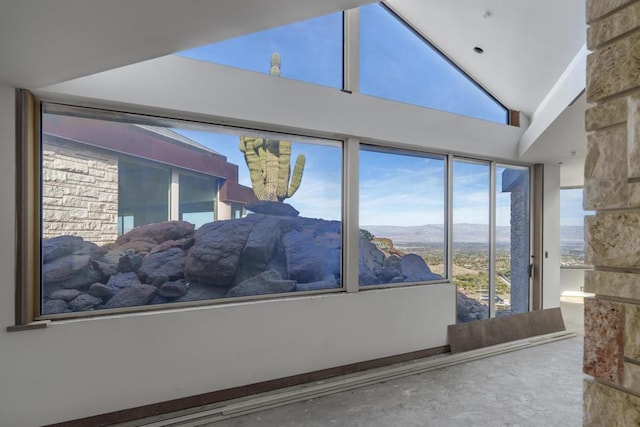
x=79 y=191
x=612 y=188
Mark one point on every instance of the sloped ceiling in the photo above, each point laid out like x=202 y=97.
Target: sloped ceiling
x=527 y=44
x=46 y=42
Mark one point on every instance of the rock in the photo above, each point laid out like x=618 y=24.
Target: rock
x=157 y=299
x=214 y=258
x=272 y=208
x=328 y=283
x=64 y=294
x=129 y=261
x=392 y=261
x=65 y=267
x=84 y=302
x=123 y=280
x=268 y=282
x=366 y=276
x=168 y=265
x=306 y=260
x=55 y=306
x=57 y=247
x=370 y=255
x=100 y=290
x=184 y=244
x=415 y=269
x=199 y=292
x=158 y=232
x=106 y=269
x=133 y=296
x=468 y=309
x=385 y=274
x=173 y=289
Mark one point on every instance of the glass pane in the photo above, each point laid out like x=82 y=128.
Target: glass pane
x=471 y=200
x=398 y=64
x=310 y=51
x=143 y=193
x=114 y=236
x=513 y=254
x=572 y=227
x=402 y=216
x=197 y=196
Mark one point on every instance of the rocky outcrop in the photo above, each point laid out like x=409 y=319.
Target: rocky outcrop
x=170 y=262
x=468 y=309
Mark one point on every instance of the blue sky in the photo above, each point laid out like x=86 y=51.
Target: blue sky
x=395 y=189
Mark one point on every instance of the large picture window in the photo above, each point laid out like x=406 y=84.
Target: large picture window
x=140 y=211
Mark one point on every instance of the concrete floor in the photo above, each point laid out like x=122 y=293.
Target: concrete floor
x=538 y=386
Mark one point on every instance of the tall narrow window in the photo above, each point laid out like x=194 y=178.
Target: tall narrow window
x=197 y=196
x=402 y=217
x=396 y=63
x=310 y=51
x=471 y=238
x=572 y=227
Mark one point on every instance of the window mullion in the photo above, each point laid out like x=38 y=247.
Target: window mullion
x=351 y=50
x=351 y=214
x=492 y=241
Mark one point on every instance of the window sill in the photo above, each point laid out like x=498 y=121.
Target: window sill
x=40 y=324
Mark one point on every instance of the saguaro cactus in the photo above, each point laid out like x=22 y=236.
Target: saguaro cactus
x=269 y=168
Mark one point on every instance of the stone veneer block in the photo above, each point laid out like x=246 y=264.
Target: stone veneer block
x=606 y=114
x=613 y=239
x=614 y=68
x=613 y=284
x=631 y=378
x=633 y=134
x=621 y=22
x=631 y=328
x=605 y=169
x=598 y=8
x=603 y=340
x=606 y=406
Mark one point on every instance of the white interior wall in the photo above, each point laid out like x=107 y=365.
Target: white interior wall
x=551 y=237
x=79 y=368
x=85 y=367
x=175 y=84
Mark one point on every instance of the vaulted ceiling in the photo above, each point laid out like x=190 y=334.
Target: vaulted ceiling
x=527 y=44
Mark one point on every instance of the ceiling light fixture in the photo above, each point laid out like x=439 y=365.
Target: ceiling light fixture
x=478 y=49
x=486 y=14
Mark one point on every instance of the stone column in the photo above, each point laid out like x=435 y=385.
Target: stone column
x=612 y=189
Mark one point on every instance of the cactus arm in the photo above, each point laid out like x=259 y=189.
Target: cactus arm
x=297 y=175
x=248 y=147
x=284 y=169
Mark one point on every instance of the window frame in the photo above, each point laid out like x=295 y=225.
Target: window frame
x=29 y=198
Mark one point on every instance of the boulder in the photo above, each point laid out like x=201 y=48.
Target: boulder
x=366 y=276
x=55 y=306
x=272 y=208
x=329 y=282
x=122 y=280
x=158 y=232
x=182 y=244
x=268 y=282
x=468 y=309
x=213 y=259
x=370 y=255
x=64 y=294
x=129 y=261
x=57 y=247
x=132 y=296
x=173 y=289
x=415 y=269
x=200 y=292
x=167 y=265
x=84 y=302
x=386 y=274
x=305 y=259
x=100 y=290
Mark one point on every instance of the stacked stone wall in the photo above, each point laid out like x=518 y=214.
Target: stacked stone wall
x=79 y=191
x=612 y=188
x=520 y=249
